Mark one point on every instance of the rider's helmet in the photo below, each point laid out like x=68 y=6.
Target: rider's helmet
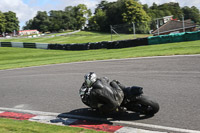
x=90 y=78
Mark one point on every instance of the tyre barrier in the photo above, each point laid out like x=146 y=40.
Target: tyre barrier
x=29 y=45
x=24 y=45
x=42 y=46
x=180 y=37
x=17 y=44
x=82 y=46
x=6 y=44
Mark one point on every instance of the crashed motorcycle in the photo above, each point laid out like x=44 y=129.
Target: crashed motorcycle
x=135 y=101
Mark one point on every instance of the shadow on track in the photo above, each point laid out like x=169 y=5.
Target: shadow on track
x=88 y=114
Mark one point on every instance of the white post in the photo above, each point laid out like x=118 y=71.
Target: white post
x=134 y=30
x=183 y=23
x=111 y=31
x=158 y=26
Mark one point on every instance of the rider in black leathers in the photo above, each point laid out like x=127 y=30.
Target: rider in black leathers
x=97 y=93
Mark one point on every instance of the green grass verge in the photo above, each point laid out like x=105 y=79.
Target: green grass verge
x=25 y=57
x=80 y=37
x=16 y=126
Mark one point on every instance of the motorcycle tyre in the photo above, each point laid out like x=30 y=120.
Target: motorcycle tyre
x=146 y=106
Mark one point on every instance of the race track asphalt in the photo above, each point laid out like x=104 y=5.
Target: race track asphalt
x=173 y=81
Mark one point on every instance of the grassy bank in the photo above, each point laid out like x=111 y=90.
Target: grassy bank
x=80 y=37
x=15 y=126
x=23 y=57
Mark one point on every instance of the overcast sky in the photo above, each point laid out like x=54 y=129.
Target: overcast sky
x=27 y=9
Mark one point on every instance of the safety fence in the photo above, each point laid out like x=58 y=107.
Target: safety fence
x=180 y=37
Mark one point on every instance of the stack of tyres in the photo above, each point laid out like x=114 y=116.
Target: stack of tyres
x=112 y=45
x=92 y=45
x=74 y=46
x=124 y=43
x=104 y=44
x=29 y=45
x=67 y=47
x=95 y=45
x=6 y=44
x=82 y=46
x=85 y=46
x=50 y=46
x=142 y=41
x=59 y=47
x=55 y=46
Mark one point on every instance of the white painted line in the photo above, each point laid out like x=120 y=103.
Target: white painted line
x=29 y=111
x=173 y=129
x=136 y=58
x=2 y=112
x=135 y=130
x=153 y=127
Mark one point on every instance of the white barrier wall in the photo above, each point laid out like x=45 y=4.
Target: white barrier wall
x=17 y=44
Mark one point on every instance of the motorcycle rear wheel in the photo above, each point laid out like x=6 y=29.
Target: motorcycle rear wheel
x=145 y=105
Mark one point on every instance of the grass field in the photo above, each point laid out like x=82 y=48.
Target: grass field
x=24 y=57
x=80 y=37
x=15 y=126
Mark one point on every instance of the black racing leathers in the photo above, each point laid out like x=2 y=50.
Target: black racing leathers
x=102 y=95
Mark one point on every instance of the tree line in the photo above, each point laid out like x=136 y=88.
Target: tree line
x=110 y=13
x=105 y=14
x=144 y=16
x=71 y=18
x=8 y=22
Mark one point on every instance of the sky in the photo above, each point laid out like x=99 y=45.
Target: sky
x=27 y=9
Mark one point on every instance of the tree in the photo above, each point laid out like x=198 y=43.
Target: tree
x=81 y=14
x=133 y=12
x=2 y=23
x=68 y=16
x=56 y=19
x=191 y=13
x=99 y=21
x=119 y=12
x=41 y=21
x=28 y=25
x=12 y=22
